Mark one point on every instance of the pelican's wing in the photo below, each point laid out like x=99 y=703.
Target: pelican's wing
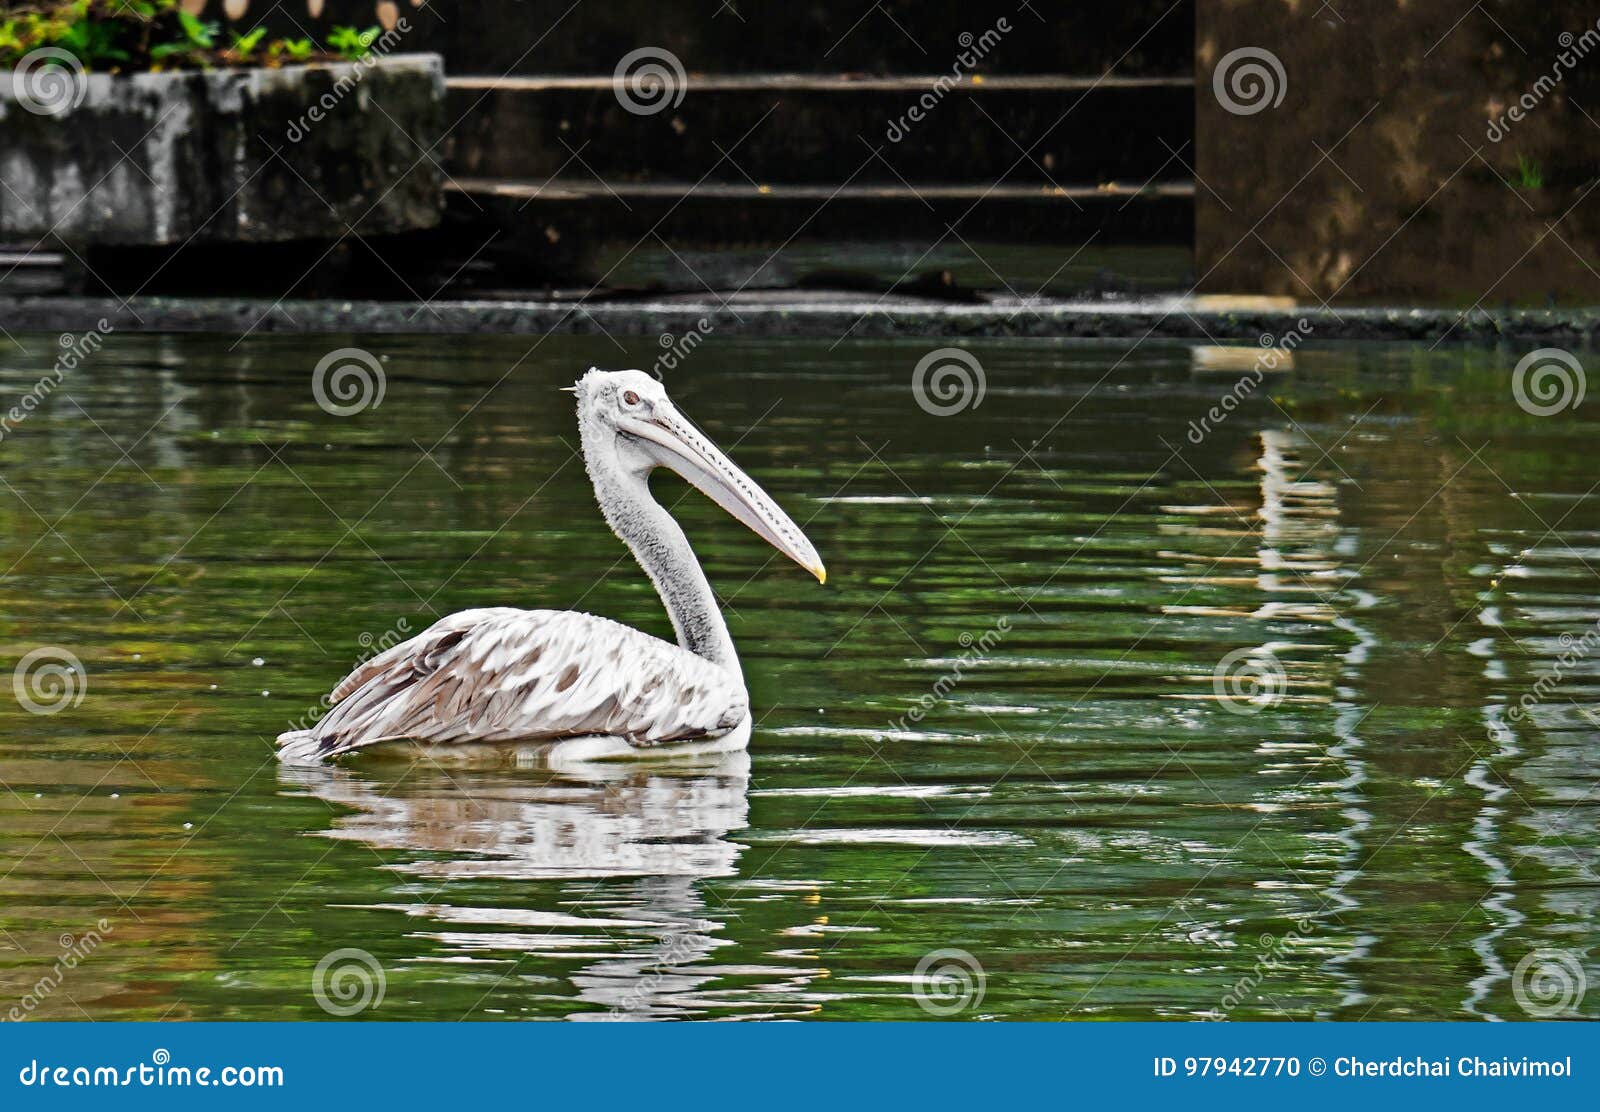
x=506 y=675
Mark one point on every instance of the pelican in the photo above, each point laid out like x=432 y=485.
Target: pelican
x=591 y=687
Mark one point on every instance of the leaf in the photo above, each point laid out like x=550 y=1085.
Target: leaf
x=200 y=33
x=245 y=45
x=352 y=44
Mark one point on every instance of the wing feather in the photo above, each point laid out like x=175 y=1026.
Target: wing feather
x=503 y=674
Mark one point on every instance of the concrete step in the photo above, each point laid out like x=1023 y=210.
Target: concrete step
x=813 y=129
x=559 y=226
x=28 y=269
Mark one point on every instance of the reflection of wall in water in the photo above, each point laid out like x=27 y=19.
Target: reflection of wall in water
x=1535 y=833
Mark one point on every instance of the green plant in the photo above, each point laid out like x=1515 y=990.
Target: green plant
x=135 y=35
x=93 y=42
x=198 y=36
x=1529 y=173
x=352 y=45
x=245 y=45
x=28 y=29
x=296 y=50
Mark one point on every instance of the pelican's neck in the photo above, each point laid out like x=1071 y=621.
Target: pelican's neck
x=664 y=553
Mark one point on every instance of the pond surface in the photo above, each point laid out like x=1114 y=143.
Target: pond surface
x=998 y=729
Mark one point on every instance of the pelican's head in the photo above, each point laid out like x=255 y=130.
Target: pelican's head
x=630 y=413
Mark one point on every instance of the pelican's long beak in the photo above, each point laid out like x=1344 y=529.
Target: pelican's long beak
x=673 y=442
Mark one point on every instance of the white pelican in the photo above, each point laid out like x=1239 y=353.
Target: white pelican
x=591 y=686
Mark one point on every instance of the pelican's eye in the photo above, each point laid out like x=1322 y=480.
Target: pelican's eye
x=630 y=398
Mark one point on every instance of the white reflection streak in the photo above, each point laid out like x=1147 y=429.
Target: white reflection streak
x=1301 y=533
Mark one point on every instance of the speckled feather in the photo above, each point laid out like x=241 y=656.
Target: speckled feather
x=503 y=674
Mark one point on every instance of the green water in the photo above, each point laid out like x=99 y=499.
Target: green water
x=1051 y=579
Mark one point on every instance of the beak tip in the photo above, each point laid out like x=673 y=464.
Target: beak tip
x=820 y=572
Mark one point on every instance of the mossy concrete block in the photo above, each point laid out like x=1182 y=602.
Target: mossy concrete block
x=248 y=155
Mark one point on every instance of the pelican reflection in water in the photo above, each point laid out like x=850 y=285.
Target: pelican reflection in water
x=636 y=843
x=592 y=687
x=587 y=821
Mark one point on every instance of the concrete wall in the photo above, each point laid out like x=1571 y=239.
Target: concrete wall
x=1367 y=151
x=253 y=156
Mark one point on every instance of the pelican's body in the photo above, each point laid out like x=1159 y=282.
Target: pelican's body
x=596 y=687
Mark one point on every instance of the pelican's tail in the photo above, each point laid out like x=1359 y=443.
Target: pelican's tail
x=300 y=747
